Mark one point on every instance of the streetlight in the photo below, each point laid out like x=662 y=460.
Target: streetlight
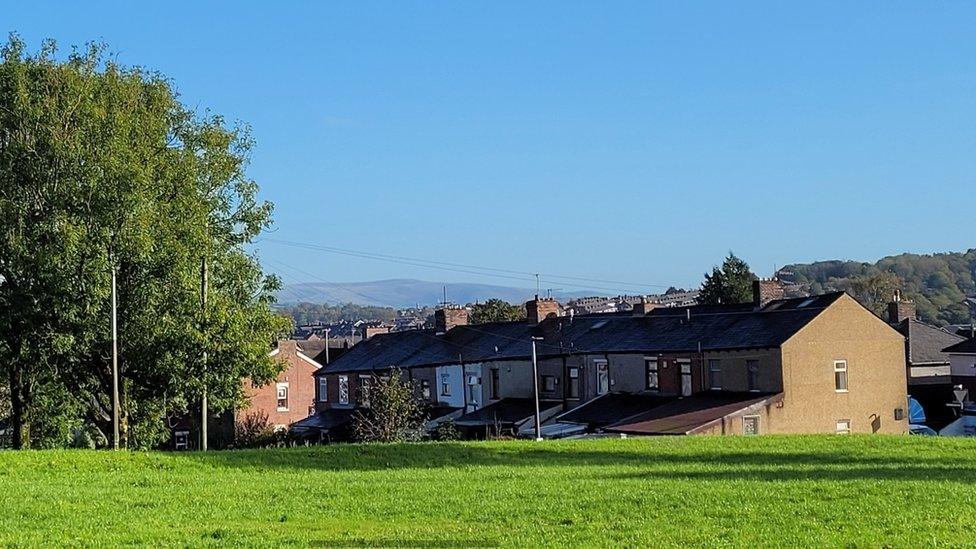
x=535 y=389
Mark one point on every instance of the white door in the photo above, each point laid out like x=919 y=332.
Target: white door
x=685 y=379
x=602 y=377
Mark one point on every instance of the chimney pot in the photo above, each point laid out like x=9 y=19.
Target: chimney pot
x=538 y=310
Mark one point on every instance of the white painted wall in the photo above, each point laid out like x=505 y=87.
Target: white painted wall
x=455 y=379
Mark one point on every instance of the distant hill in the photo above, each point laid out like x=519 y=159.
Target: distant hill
x=403 y=293
x=938 y=282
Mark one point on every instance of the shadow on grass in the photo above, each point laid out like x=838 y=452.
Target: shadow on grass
x=681 y=461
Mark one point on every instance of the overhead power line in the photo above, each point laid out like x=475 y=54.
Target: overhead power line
x=510 y=274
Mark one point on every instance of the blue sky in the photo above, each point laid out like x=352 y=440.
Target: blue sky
x=637 y=142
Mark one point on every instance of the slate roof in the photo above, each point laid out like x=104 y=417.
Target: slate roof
x=964 y=347
x=612 y=407
x=506 y=412
x=689 y=414
x=925 y=342
x=325 y=420
x=713 y=327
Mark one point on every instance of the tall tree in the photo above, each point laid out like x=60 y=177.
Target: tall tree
x=496 y=310
x=102 y=167
x=730 y=283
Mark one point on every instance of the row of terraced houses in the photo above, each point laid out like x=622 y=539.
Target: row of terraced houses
x=822 y=364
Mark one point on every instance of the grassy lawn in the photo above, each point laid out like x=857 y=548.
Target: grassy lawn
x=769 y=491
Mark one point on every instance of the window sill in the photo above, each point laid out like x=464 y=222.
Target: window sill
x=280 y=409
x=841 y=391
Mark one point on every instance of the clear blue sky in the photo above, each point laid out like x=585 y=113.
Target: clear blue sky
x=628 y=141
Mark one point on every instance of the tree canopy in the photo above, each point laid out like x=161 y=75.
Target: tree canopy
x=102 y=168
x=730 y=283
x=495 y=310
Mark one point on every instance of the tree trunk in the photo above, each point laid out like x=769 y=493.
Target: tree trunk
x=17 y=408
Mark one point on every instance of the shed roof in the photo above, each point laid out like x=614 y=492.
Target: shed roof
x=967 y=347
x=688 y=414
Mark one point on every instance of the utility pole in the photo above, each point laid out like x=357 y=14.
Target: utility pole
x=327 y=345
x=203 y=326
x=115 y=367
x=535 y=389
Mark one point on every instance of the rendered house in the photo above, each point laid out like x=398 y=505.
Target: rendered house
x=810 y=365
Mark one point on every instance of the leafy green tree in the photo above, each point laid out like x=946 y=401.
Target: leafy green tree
x=395 y=412
x=730 y=283
x=876 y=291
x=495 y=310
x=102 y=167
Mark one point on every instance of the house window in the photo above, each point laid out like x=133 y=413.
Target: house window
x=445 y=385
x=323 y=389
x=752 y=370
x=843 y=426
x=574 y=383
x=685 y=367
x=343 y=389
x=602 y=377
x=425 y=388
x=549 y=383
x=840 y=376
x=750 y=425
x=714 y=373
x=365 y=384
x=495 y=384
x=650 y=368
x=282 y=397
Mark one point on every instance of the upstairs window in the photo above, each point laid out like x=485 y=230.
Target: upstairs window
x=323 y=389
x=343 y=389
x=752 y=371
x=495 y=384
x=651 y=377
x=840 y=376
x=714 y=373
x=282 y=390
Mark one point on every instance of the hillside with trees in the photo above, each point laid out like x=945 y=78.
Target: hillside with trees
x=322 y=313
x=939 y=283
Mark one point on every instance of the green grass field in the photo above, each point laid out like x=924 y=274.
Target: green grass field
x=716 y=491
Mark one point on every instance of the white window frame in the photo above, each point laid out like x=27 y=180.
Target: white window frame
x=605 y=366
x=648 y=362
x=750 y=418
x=281 y=388
x=841 y=366
x=425 y=388
x=714 y=367
x=365 y=385
x=323 y=389
x=843 y=427
x=343 y=389
x=446 y=385
x=185 y=436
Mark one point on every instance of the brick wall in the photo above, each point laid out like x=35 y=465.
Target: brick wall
x=301 y=389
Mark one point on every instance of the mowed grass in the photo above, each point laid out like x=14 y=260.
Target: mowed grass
x=715 y=491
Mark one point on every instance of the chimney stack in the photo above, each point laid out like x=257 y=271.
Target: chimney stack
x=644 y=307
x=900 y=310
x=765 y=290
x=538 y=309
x=446 y=318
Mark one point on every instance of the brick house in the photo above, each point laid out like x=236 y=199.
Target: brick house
x=290 y=397
x=805 y=365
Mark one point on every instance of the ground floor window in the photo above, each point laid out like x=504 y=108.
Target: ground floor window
x=445 y=385
x=843 y=426
x=323 y=389
x=181 y=440
x=750 y=425
x=602 y=377
x=425 y=388
x=574 y=383
x=549 y=383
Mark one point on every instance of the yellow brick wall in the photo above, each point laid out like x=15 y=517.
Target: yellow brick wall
x=875 y=355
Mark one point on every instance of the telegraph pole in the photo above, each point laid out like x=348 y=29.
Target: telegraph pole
x=115 y=367
x=203 y=325
x=535 y=389
x=327 y=345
